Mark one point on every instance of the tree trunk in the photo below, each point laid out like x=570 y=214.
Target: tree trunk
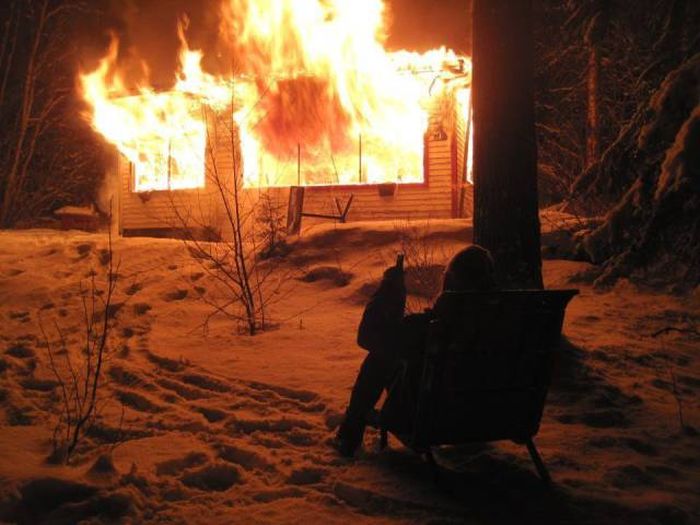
x=593 y=36
x=506 y=219
x=592 y=116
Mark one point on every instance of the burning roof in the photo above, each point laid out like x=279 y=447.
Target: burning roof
x=311 y=83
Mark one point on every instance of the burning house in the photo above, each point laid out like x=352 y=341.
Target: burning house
x=316 y=113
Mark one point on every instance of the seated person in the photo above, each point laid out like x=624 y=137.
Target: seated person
x=391 y=338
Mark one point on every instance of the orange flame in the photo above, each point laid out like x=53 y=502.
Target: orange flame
x=312 y=84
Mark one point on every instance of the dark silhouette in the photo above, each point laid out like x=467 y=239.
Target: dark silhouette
x=485 y=373
x=392 y=339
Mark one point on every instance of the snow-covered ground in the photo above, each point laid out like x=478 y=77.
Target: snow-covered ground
x=220 y=427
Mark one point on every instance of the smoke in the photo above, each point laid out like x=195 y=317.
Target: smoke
x=149 y=43
x=426 y=24
x=108 y=190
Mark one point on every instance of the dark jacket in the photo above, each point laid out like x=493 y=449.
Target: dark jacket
x=383 y=314
x=384 y=330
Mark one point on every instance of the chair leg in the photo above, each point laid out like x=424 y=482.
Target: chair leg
x=434 y=467
x=537 y=460
x=383 y=439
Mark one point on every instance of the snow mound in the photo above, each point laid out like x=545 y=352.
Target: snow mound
x=200 y=424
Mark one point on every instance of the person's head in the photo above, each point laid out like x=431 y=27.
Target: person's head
x=471 y=269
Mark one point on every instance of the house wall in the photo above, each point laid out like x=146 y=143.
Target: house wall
x=431 y=199
x=197 y=209
x=165 y=209
x=440 y=196
x=463 y=194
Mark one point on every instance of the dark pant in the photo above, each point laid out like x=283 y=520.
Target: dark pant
x=374 y=375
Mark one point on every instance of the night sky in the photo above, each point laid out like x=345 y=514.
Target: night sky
x=425 y=24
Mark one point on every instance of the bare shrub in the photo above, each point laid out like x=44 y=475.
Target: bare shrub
x=245 y=227
x=80 y=376
x=423 y=263
x=675 y=390
x=271 y=227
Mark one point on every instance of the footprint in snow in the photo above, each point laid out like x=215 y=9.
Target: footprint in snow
x=171 y=365
x=206 y=383
x=175 y=295
x=22 y=317
x=212 y=478
x=84 y=249
x=306 y=476
x=174 y=467
x=134 y=289
x=137 y=402
x=142 y=308
x=212 y=415
x=20 y=352
x=248 y=459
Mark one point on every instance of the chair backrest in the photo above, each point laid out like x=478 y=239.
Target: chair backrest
x=488 y=365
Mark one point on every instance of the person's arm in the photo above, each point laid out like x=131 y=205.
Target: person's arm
x=383 y=314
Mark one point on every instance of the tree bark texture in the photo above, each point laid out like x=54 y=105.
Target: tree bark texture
x=592 y=115
x=506 y=219
x=595 y=32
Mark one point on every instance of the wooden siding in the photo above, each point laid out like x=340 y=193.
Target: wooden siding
x=463 y=189
x=436 y=198
x=440 y=196
x=193 y=208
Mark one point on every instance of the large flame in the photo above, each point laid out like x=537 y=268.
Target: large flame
x=315 y=97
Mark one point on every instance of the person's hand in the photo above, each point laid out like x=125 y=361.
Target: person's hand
x=391 y=294
x=394 y=275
